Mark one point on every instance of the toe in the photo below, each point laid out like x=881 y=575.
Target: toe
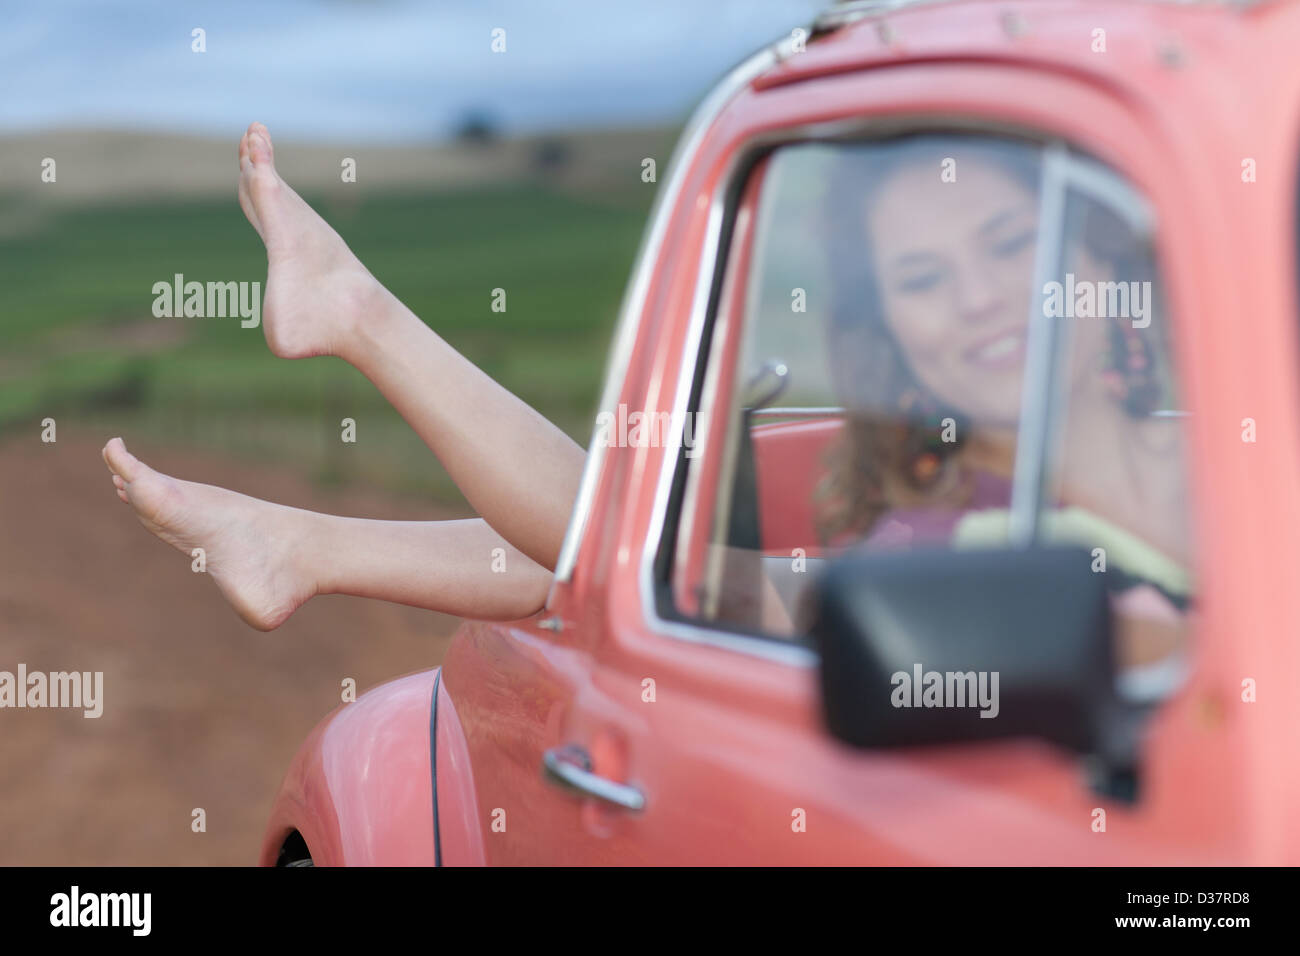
x=261 y=130
x=122 y=462
x=259 y=148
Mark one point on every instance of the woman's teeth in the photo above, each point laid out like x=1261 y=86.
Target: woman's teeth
x=999 y=348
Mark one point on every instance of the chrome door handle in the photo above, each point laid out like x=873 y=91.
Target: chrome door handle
x=570 y=767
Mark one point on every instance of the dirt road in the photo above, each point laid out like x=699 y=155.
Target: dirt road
x=199 y=709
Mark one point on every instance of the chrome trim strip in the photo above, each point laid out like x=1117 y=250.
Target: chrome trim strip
x=433 y=768
x=703 y=426
x=825 y=411
x=791 y=654
x=639 y=286
x=1093 y=179
x=851 y=11
x=1049 y=338
x=1041 y=351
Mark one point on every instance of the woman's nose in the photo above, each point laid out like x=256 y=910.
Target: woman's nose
x=978 y=296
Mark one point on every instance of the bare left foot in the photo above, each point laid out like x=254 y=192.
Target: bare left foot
x=253 y=549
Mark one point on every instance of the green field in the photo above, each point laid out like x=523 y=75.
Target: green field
x=78 y=341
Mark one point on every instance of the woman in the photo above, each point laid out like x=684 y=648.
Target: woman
x=929 y=324
x=932 y=284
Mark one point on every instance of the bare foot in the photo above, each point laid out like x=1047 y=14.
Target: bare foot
x=316 y=289
x=253 y=549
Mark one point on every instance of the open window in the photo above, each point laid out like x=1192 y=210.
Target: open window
x=931 y=341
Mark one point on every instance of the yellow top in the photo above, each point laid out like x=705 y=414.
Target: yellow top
x=1072 y=525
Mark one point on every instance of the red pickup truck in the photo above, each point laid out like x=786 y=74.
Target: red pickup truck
x=939 y=504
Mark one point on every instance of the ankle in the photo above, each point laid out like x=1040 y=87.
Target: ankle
x=307 y=550
x=377 y=319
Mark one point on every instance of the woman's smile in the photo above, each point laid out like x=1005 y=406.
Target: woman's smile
x=997 y=352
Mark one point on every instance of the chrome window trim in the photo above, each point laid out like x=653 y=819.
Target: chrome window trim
x=846 y=12
x=822 y=411
x=703 y=424
x=1042 y=355
x=638 y=287
x=851 y=11
x=753 y=645
x=1049 y=339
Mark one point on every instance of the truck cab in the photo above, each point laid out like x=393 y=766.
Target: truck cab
x=744 y=660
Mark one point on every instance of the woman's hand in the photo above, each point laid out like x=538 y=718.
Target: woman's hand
x=1148 y=627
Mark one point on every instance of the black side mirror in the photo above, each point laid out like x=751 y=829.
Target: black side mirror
x=941 y=646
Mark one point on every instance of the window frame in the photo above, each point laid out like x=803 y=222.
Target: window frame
x=1064 y=169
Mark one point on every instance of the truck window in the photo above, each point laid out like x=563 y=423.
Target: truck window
x=879 y=381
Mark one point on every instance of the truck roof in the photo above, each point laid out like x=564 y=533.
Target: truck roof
x=1142 y=38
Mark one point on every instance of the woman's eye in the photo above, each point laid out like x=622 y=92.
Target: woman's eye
x=921 y=282
x=1009 y=247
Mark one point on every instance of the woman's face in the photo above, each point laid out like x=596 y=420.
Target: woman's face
x=955 y=265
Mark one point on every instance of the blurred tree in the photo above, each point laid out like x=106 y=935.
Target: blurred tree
x=551 y=154
x=477 y=128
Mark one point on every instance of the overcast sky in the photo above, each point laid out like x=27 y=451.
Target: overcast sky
x=395 y=70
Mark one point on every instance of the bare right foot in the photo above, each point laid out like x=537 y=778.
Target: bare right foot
x=253 y=549
x=316 y=289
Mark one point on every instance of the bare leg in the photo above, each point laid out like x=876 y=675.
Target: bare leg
x=517 y=470
x=267 y=559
